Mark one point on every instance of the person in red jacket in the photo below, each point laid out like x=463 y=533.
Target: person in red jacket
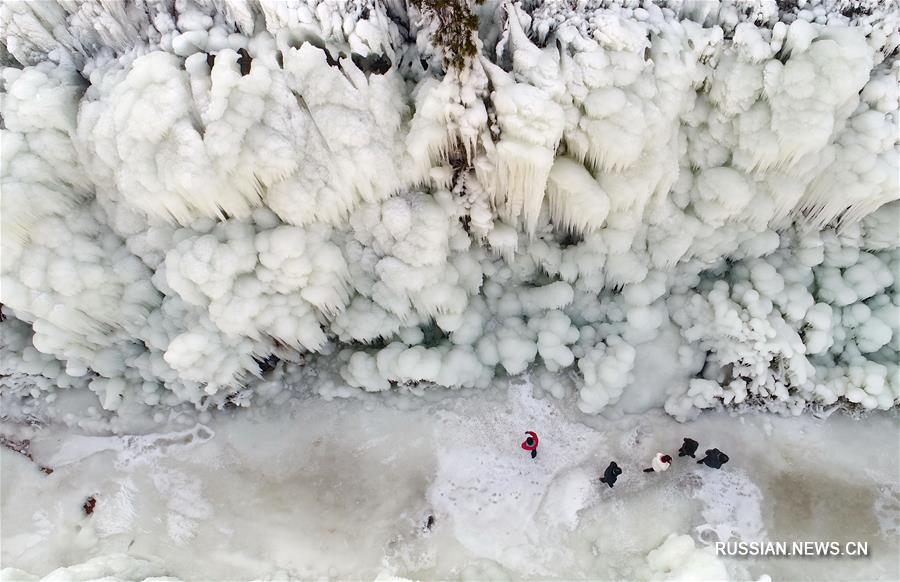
x=531 y=443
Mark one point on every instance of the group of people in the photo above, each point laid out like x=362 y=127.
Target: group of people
x=714 y=458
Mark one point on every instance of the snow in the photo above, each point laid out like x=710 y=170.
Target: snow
x=343 y=489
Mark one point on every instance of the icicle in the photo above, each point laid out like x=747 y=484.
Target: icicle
x=504 y=241
x=577 y=203
x=521 y=180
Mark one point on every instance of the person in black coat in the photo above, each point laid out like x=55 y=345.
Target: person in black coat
x=611 y=474
x=688 y=448
x=714 y=458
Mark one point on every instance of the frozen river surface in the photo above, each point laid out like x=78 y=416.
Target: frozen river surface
x=344 y=490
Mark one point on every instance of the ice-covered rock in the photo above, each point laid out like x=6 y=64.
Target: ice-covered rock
x=198 y=204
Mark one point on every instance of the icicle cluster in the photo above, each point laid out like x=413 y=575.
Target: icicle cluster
x=204 y=202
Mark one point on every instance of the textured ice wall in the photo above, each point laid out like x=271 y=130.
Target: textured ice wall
x=201 y=198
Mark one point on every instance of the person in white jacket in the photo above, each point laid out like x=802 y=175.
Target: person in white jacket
x=660 y=463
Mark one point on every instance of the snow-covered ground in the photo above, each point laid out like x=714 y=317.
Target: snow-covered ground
x=343 y=489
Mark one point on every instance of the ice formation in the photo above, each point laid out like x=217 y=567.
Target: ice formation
x=204 y=201
x=112 y=568
x=678 y=559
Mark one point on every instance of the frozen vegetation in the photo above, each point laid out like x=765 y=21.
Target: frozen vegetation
x=207 y=203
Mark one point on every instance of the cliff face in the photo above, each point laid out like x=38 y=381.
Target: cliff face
x=205 y=203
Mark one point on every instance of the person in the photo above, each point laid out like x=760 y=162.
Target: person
x=714 y=458
x=531 y=443
x=688 y=448
x=611 y=474
x=659 y=464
